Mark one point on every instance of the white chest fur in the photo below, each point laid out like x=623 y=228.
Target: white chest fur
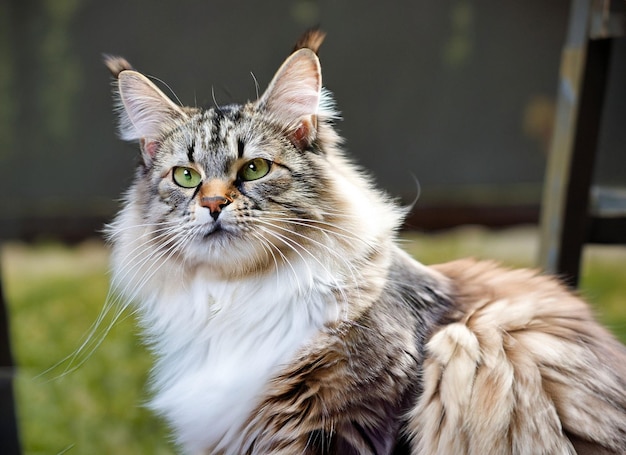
x=218 y=343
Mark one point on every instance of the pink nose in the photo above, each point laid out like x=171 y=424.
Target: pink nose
x=215 y=204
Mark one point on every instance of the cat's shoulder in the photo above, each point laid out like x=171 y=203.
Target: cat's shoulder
x=519 y=362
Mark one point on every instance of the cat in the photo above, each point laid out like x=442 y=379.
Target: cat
x=265 y=273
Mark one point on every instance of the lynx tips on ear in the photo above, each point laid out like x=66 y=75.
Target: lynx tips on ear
x=116 y=64
x=311 y=39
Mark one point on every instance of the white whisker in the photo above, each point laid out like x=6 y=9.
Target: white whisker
x=322 y=226
x=96 y=334
x=284 y=258
x=296 y=246
x=339 y=285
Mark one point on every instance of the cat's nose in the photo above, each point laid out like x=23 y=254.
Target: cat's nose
x=215 y=204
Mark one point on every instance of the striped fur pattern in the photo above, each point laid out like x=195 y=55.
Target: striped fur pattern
x=263 y=267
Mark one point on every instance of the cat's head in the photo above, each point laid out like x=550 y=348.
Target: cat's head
x=240 y=188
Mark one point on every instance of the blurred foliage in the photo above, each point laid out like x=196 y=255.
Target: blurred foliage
x=538 y=120
x=55 y=293
x=60 y=84
x=459 y=45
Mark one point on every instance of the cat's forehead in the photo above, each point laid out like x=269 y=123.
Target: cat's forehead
x=217 y=123
x=209 y=128
x=227 y=125
x=213 y=138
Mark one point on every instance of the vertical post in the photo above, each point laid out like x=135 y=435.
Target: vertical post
x=9 y=439
x=581 y=92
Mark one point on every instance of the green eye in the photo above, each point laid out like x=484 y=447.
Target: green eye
x=186 y=177
x=255 y=169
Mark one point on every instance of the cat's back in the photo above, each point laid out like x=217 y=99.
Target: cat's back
x=520 y=367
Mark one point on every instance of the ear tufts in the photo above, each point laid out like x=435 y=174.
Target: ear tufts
x=311 y=39
x=304 y=134
x=149 y=149
x=116 y=64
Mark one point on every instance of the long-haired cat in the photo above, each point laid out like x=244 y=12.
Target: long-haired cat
x=286 y=320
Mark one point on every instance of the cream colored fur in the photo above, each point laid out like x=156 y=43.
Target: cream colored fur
x=523 y=368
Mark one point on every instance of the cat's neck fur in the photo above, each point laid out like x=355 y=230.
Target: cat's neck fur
x=220 y=341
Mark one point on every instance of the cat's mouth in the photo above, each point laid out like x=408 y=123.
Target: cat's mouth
x=215 y=229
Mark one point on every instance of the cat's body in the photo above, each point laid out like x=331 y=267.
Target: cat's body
x=286 y=320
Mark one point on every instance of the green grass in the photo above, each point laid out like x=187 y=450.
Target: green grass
x=55 y=293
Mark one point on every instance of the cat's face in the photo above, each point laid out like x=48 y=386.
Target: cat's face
x=230 y=185
x=237 y=188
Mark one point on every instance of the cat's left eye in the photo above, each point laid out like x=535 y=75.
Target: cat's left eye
x=186 y=177
x=255 y=169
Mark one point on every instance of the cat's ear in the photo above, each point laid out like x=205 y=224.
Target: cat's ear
x=145 y=111
x=293 y=97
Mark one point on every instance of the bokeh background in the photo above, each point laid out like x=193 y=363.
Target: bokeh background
x=456 y=95
x=453 y=101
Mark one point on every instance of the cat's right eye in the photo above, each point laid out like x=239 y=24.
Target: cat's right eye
x=186 y=177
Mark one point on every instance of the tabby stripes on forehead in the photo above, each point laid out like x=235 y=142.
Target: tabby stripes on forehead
x=190 y=151
x=240 y=148
x=217 y=117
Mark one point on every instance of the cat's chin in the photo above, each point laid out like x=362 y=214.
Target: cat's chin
x=225 y=255
x=216 y=231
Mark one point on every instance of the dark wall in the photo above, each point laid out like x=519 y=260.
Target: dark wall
x=456 y=94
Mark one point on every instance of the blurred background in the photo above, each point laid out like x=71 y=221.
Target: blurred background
x=453 y=101
x=458 y=95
